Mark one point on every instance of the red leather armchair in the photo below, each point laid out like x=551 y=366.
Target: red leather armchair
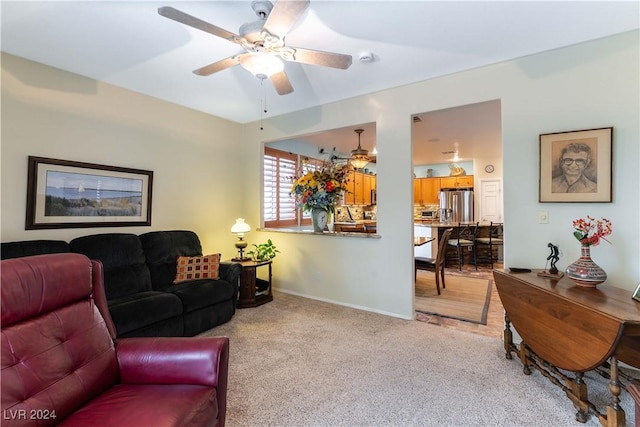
x=61 y=364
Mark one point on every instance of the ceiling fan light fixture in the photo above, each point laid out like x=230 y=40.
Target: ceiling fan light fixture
x=359 y=156
x=261 y=65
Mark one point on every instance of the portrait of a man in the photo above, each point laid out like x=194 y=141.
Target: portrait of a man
x=575 y=171
x=576 y=166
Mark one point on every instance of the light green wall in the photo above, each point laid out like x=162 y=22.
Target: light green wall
x=207 y=170
x=586 y=86
x=51 y=113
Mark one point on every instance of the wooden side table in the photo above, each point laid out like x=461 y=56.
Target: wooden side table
x=254 y=291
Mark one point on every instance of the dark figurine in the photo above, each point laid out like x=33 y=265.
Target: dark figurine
x=554 y=257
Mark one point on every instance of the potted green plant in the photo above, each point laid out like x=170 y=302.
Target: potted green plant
x=264 y=251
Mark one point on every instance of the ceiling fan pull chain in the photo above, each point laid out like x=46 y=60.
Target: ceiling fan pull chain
x=264 y=95
x=263 y=103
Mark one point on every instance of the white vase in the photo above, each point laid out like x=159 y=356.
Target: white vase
x=319 y=219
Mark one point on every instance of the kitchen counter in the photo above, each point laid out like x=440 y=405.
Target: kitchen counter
x=435 y=229
x=438 y=224
x=355 y=226
x=356 y=221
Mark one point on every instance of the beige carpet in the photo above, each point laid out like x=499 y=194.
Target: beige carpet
x=297 y=362
x=464 y=298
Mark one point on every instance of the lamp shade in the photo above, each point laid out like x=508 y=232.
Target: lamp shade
x=261 y=65
x=359 y=163
x=240 y=227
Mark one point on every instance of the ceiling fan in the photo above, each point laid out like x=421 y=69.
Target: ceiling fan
x=263 y=42
x=359 y=157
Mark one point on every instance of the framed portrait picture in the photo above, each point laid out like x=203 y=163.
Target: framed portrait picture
x=636 y=293
x=576 y=166
x=67 y=194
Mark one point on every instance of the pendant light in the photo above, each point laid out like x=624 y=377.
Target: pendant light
x=359 y=156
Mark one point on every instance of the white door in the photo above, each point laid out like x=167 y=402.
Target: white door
x=490 y=200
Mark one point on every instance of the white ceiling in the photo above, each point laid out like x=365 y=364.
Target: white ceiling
x=471 y=131
x=127 y=44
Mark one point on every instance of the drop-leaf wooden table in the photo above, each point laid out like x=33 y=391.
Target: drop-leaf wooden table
x=565 y=327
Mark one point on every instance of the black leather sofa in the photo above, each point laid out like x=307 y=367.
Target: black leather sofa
x=138 y=276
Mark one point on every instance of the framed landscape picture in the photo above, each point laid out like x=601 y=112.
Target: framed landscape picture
x=67 y=194
x=576 y=166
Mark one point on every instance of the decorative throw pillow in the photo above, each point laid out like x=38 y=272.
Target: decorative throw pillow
x=197 y=267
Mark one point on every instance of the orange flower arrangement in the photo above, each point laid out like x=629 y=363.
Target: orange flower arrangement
x=589 y=231
x=321 y=188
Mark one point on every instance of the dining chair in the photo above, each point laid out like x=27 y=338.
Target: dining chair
x=463 y=238
x=435 y=264
x=495 y=238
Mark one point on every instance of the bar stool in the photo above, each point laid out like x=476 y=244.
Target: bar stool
x=464 y=237
x=496 y=238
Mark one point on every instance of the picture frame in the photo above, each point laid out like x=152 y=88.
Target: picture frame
x=69 y=194
x=636 y=293
x=576 y=166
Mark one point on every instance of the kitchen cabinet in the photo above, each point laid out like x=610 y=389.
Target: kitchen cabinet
x=360 y=188
x=425 y=191
x=369 y=187
x=350 y=194
x=359 y=196
x=465 y=181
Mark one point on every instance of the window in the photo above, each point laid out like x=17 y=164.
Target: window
x=279 y=205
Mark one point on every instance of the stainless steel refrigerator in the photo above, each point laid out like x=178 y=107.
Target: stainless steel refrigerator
x=456 y=205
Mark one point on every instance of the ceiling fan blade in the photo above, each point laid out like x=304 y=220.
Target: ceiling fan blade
x=192 y=21
x=317 y=57
x=281 y=83
x=283 y=15
x=207 y=70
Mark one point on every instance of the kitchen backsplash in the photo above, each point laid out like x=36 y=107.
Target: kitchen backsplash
x=355 y=212
x=359 y=212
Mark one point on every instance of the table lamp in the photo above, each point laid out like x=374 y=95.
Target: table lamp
x=239 y=228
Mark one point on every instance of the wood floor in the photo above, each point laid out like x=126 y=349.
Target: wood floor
x=495 y=316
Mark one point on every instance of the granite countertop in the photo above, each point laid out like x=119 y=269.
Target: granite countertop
x=326 y=233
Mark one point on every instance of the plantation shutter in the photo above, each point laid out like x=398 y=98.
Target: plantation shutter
x=279 y=204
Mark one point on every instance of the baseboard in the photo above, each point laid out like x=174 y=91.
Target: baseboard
x=357 y=307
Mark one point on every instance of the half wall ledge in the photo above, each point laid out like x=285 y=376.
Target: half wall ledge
x=326 y=233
